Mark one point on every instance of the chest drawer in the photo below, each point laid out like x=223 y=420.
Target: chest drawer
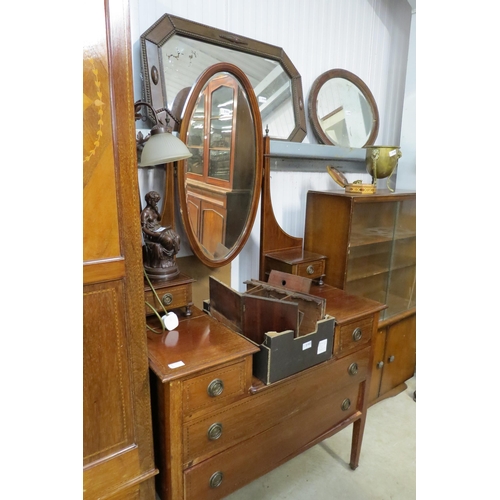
x=314 y=269
x=214 y=432
x=354 y=334
x=296 y=261
x=227 y=471
x=215 y=387
x=172 y=297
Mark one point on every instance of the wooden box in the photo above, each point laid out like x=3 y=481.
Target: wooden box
x=275 y=319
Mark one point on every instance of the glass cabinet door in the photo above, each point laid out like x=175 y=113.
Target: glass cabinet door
x=221 y=130
x=401 y=292
x=210 y=136
x=381 y=261
x=195 y=138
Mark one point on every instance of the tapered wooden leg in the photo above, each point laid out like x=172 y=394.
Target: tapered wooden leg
x=357 y=438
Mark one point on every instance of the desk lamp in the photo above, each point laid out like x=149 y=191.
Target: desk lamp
x=161 y=244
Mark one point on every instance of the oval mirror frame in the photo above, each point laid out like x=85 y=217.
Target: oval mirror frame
x=174 y=51
x=316 y=122
x=182 y=175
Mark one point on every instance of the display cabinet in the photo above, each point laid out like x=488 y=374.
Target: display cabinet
x=370 y=244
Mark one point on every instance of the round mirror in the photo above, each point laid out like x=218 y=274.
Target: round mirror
x=342 y=110
x=219 y=186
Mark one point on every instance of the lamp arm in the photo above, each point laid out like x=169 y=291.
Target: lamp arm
x=138 y=115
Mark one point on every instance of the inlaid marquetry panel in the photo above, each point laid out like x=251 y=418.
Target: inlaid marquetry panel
x=100 y=217
x=108 y=424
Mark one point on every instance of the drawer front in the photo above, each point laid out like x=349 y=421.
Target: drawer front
x=311 y=270
x=230 y=470
x=214 y=388
x=171 y=297
x=354 y=334
x=213 y=433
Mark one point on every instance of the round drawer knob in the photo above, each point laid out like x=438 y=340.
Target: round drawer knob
x=216 y=479
x=167 y=299
x=346 y=404
x=380 y=364
x=357 y=334
x=214 y=431
x=391 y=359
x=353 y=369
x=310 y=269
x=215 y=388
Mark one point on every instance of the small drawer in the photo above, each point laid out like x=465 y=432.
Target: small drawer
x=351 y=369
x=172 y=297
x=354 y=334
x=217 y=386
x=314 y=269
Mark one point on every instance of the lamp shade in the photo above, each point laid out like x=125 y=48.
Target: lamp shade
x=163 y=147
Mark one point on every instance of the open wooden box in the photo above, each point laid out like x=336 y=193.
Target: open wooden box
x=290 y=327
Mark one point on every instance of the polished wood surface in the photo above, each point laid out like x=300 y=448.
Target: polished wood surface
x=394 y=359
x=272 y=236
x=169 y=294
x=199 y=342
x=210 y=445
x=117 y=431
x=295 y=261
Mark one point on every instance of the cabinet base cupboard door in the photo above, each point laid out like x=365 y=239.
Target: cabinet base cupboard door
x=369 y=242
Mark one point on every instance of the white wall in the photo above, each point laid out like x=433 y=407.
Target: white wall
x=407 y=165
x=367 y=37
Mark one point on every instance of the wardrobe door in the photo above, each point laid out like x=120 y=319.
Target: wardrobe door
x=117 y=435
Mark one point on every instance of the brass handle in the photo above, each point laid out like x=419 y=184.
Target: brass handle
x=391 y=359
x=214 y=431
x=380 y=364
x=215 y=388
x=346 y=404
x=310 y=269
x=167 y=299
x=216 y=479
x=357 y=334
x=353 y=369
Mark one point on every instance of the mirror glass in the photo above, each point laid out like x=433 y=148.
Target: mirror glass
x=175 y=51
x=342 y=110
x=219 y=186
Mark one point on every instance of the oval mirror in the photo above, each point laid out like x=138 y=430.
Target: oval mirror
x=219 y=186
x=174 y=51
x=342 y=110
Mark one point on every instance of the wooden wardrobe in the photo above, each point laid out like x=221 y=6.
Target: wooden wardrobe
x=118 y=458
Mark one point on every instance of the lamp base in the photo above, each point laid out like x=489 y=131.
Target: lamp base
x=162 y=273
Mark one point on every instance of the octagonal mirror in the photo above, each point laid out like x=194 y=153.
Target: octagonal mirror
x=219 y=186
x=175 y=51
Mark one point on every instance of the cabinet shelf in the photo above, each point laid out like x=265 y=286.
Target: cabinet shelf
x=373 y=235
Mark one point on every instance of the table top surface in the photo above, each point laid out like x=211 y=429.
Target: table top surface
x=200 y=342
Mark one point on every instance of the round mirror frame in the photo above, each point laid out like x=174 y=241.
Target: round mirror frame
x=313 y=97
x=189 y=108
